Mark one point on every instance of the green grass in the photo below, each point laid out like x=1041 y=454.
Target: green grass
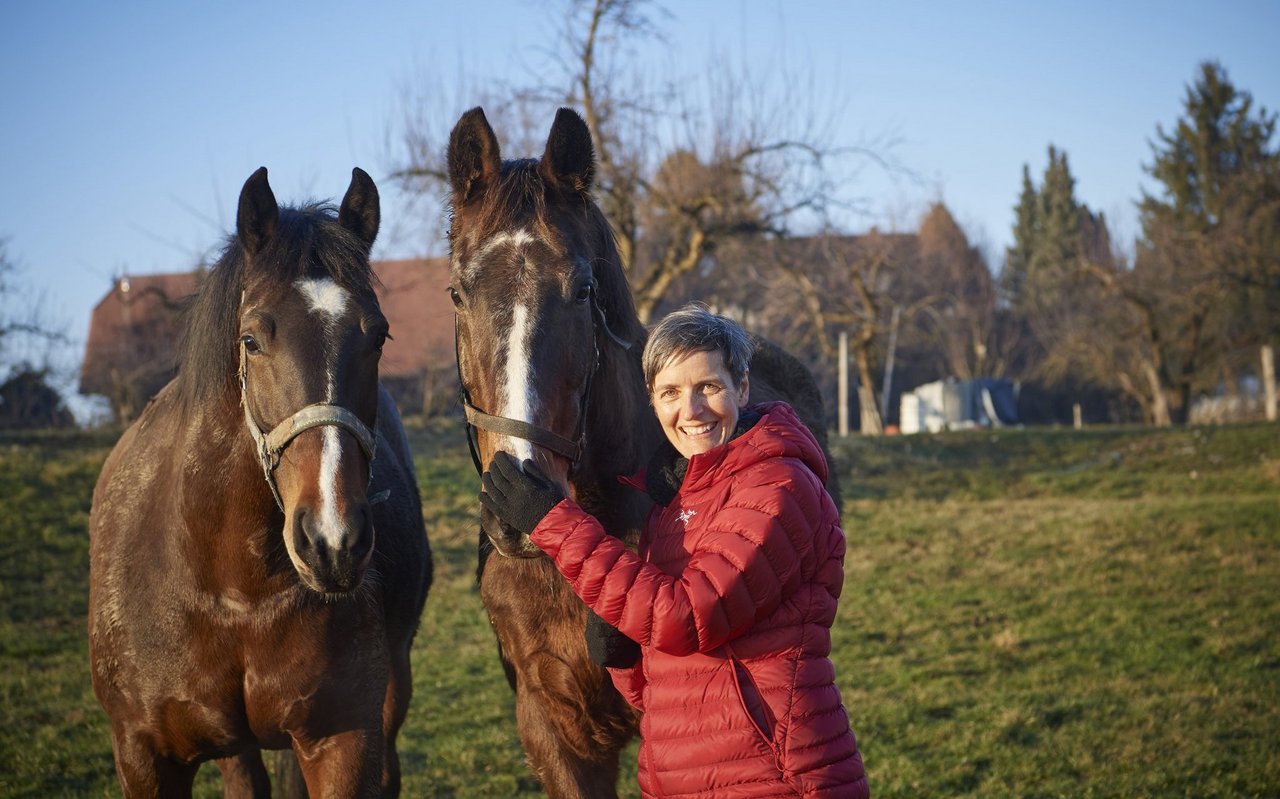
x=1026 y=614
x=1051 y=613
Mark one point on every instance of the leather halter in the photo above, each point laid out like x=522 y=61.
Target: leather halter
x=271 y=446
x=570 y=449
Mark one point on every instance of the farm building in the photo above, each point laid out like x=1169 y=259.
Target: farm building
x=959 y=404
x=134 y=330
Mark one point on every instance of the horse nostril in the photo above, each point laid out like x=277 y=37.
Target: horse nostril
x=361 y=536
x=301 y=537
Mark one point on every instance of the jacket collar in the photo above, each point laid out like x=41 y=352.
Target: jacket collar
x=666 y=470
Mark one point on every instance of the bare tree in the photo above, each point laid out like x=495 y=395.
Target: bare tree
x=824 y=285
x=953 y=287
x=737 y=162
x=27 y=329
x=684 y=168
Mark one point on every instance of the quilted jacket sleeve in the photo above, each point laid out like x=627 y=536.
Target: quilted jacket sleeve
x=749 y=559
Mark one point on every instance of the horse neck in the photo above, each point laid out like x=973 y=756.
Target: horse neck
x=621 y=435
x=229 y=511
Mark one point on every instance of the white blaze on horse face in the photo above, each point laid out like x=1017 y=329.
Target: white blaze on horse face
x=323 y=296
x=514 y=239
x=330 y=526
x=518 y=399
x=329 y=300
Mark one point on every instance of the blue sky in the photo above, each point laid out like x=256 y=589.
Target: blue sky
x=129 y=127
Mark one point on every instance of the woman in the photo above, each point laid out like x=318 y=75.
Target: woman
x=733 y=592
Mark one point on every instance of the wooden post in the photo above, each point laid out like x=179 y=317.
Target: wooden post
x=888 y=367
x=1077 y=417
x=1269 y=380
x=842 y=386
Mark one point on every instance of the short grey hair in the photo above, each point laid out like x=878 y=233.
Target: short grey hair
x=694 y=328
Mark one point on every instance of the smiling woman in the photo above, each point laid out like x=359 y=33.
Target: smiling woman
x=733 y=590
x=696 y=372
x=697 y=401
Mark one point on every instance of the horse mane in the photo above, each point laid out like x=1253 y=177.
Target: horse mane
x=307 y=240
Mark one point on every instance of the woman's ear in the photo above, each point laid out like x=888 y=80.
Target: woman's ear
x=744 y=391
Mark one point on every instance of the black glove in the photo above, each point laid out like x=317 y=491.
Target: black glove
x=607 y=646
x=519 y=498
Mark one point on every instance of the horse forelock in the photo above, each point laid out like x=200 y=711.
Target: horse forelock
x=520 y=203
x=308 y=244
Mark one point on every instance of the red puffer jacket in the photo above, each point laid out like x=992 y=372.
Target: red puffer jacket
x=731 y=598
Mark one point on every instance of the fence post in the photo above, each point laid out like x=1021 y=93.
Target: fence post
x=842 y=386
x=1269 y=380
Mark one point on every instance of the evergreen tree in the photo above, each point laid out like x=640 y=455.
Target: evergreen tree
x=1051 y=308
x=1057 y=245
x=1202 y=162
x=1018 y=257
x=1052 y=232
x=1209 y=255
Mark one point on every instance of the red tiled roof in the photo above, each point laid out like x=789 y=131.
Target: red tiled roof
x=135 y=326
x=415 y=299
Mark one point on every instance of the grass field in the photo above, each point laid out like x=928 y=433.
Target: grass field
x=1026 y=614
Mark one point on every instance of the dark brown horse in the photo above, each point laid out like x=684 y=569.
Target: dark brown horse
x=549 y=358
x=258 y=561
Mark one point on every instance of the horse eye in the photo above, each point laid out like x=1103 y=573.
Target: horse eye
x=456 y=297
x=583 y=294
x=250 y=344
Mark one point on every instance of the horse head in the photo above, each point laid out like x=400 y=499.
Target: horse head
x=309 y=335
x=528 y=250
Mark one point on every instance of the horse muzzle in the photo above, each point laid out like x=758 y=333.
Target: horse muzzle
x=507 y=540
x=331 y=555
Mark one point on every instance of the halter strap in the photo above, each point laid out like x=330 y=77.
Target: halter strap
x=516 y=428
x=271 y=445
x=319 y=415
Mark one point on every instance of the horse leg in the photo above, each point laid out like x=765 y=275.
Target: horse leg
x=244 y=776
x=287 y=781
x=562 y=773
x=394 y=709
x=348 y=764
x=145 y=774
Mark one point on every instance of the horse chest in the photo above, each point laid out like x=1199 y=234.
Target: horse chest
x=216 y=676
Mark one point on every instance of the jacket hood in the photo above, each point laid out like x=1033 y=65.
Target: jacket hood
x=779 y=433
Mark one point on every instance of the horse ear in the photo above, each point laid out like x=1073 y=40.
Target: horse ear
x=569 y=161
x=258 y=213
x=361 y=212
x=474 y=158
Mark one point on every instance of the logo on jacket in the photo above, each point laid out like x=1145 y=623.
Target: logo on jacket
x=686 y=515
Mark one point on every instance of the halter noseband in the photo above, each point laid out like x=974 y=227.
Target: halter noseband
x=271 y=446
x=516 y=428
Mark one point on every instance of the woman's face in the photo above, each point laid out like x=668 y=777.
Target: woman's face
x=697 y=402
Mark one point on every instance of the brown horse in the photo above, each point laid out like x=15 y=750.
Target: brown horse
x=258 y=562
x=549 y=358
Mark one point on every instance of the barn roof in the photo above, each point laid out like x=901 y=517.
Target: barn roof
x=135 y=326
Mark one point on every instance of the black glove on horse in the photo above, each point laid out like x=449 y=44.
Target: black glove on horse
x=607 y=646
x=519 y=498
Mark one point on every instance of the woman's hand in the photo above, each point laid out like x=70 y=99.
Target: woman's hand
x=606 y=646
x=519 y=498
